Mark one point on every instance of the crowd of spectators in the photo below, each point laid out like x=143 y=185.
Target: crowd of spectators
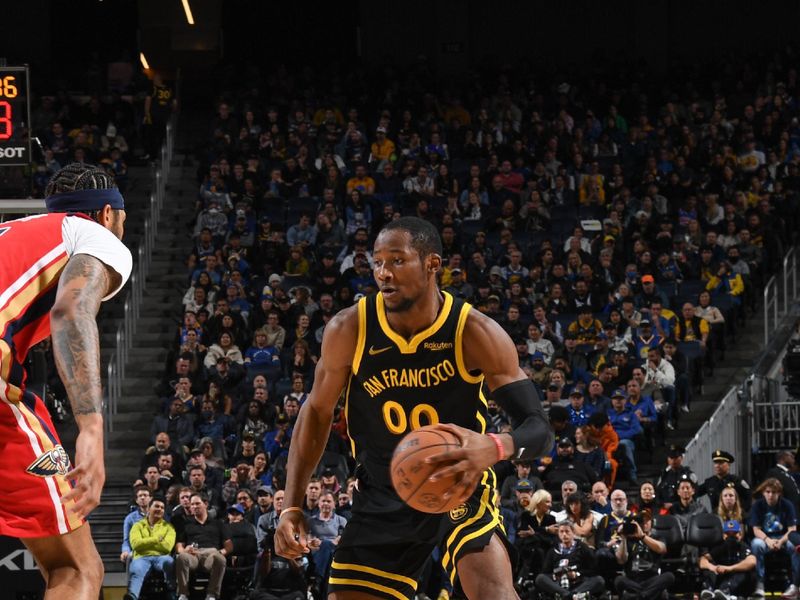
x=110 y=130
x=619 y=234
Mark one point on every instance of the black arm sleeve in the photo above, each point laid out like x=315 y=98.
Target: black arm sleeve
x=533 y=437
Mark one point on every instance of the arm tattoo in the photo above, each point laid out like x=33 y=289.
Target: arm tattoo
x=76 y=344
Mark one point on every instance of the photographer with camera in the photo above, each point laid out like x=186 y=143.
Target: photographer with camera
x=640 y=555
x=569 y=568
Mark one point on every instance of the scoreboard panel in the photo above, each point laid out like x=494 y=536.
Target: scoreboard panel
x=15 y=144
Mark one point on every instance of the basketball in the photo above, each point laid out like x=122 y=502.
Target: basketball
x=410 y=472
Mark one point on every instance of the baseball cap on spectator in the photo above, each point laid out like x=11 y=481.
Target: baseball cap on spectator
x=237 y=508
x=264 y=490
x=195 y=451
x=240 y=214
x=564 y=442
x=248 y=436
x=648 y=279
x=275 y=277
x=380 y=130
x=328 y=254
x=644 y=323
x=281 y=419
x=328 y=473
x=264 y=219
x=609 y=325
x=641 y=214
x=493 y=297
x=731 y=527
x=609 y=238
x=455 y=271
x=537 y=356
x=576 y=392
x=619 y=393
x=523 y=485
x=495 y=270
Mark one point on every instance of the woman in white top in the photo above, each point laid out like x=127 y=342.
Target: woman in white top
x=730 y=237
x=224 y=348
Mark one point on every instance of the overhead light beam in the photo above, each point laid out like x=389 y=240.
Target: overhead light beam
x=188 y=10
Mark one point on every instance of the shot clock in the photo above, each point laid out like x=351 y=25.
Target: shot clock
x=15 y=145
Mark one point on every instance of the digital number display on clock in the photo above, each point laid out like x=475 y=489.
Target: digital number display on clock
x=15 y=145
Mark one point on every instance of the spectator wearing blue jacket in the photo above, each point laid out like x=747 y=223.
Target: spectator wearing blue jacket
x=642 y=406
x=579 y=411
x=277 y=441
x=262 y=358
x=627 y=425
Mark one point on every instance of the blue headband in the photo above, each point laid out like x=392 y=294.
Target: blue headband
x=84 y=200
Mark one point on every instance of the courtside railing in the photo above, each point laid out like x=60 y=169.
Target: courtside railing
x=725 y=429
x=782 y=286
x=126 y=330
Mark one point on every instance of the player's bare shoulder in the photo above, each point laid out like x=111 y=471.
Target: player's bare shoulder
x=341 y=336
x=486 y=345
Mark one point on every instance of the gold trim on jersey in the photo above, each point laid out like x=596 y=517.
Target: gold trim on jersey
x=410 y=347
x=369 y=585
x=373 y=571
x=362 y=335
x=38 y=284
x=455 y=543
x=462 y=369
x=347 y=416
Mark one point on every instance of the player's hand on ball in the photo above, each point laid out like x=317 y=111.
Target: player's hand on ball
x=477 y=453
x=291 y=536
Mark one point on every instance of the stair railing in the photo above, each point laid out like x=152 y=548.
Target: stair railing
x=115 y=375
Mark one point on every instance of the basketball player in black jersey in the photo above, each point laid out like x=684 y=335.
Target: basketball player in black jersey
x=407 y=357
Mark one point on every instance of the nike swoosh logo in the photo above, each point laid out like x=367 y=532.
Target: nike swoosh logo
x=373 y=352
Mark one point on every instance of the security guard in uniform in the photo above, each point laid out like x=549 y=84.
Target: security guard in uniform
x=667 y=486
x=721 y=478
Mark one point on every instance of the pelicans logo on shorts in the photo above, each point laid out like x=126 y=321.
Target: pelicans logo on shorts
x=458 y=513
x=50 y=463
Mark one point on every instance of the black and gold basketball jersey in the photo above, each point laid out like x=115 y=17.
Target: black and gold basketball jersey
x=399 y=385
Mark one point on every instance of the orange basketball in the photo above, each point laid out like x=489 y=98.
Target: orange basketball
x=410 y=472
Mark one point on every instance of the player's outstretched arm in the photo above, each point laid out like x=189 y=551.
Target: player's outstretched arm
x=313 y=427
x=76 y=348
x=488 y=349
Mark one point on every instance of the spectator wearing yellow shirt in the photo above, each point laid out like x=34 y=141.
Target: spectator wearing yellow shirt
x=691 y=328
x=362 y=182
x=586 y=328
x=152 y=540
x=725 y=281
x=383 y=149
